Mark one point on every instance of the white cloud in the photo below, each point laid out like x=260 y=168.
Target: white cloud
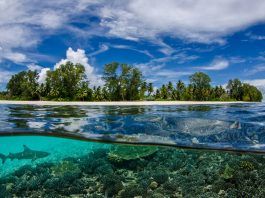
x=102 y=48
x=105 y=47
x=15 y=57
x=194 y=20
x=43 y=75
x=75 y=57
x=5 y=76
x=237 y=60
x=215 y=65
x=79 y=56
x=179 y=58
x=154 y=72
x=146 y=52
x=34 y=66
x=256 y=82
x=23 y=24
x=256 y=69
x=171 y=74
x=255 y=37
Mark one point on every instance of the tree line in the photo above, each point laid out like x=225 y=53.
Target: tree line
x=122 y=82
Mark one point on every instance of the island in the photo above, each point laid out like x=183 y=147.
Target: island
x=122 y=82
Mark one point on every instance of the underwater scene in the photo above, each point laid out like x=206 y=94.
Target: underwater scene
x=132 y=151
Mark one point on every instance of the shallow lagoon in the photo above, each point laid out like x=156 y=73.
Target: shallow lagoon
x=174 y=151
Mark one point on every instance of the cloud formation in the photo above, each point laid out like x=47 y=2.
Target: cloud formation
x=43 y=75
x=79 y=56
x=16 y=57
x=34 y=66
x=216 y=65
x=23 y=24
x=155 y=70
x=256 y=82
x=194 y=20
x=256 y=69
x=5 y=76
x=255 y=37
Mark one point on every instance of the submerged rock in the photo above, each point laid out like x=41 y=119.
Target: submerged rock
x=153 y=185
x=123 y=153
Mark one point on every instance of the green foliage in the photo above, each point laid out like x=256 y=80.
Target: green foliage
x=98 y=94
x=126 y=84
x=235 y=89
x=251 y=93
x=218 y=92
x=180 y=90
x=122 y=82
x=111 y=80
x=170 y=91
x=24 y=85
x=150 y=89
x=200 y=89
x=201 y=86
x=243 y=91
x=66 y=81
x=84 y=93
x=164 y=92
x=3 y=95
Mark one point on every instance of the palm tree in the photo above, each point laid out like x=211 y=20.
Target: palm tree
x=170 y=90
x=150 y=89
x=180 y=89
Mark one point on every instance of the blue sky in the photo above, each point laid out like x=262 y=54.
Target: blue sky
x=167 y=40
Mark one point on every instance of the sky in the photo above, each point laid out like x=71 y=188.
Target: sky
x=168 y=40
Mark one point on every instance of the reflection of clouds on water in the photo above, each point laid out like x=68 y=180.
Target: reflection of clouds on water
x=234 y=125
x=74 y=123
x=195 y=140
x=37 y=125
x=258 y=146
x=70 y=124
x=148 y=118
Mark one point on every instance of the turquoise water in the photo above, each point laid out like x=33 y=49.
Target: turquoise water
x=170 y=151
x=59 y=149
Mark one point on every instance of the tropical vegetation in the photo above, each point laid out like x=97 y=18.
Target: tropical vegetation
x=122 y=82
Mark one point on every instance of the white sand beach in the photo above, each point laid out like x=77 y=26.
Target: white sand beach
x=118 y=103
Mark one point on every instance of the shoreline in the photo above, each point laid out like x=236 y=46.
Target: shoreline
x=119 y=103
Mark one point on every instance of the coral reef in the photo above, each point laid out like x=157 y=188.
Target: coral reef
x=64 y=167
x=149 y=172
x=119 y=153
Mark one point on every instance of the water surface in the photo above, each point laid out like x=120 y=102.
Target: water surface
x=231 y=127
x=173 y=151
